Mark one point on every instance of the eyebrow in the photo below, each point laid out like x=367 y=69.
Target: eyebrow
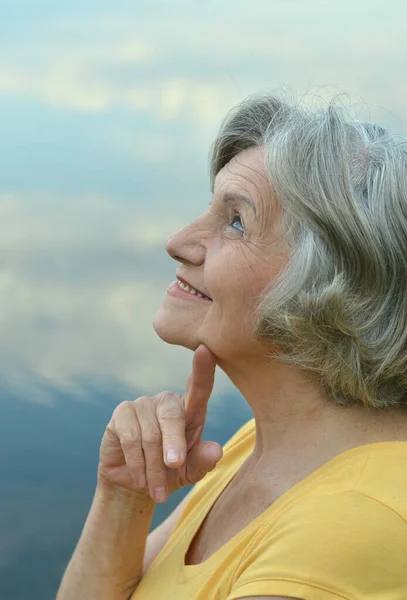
x=229 y=197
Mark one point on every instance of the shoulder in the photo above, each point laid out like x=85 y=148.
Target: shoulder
x=351 y=522
x=356 y=488
x=355 y=491
x=344 y=536
x=346 y=544
x=384 y=476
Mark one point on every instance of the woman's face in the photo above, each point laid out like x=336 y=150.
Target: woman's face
x=231 y=253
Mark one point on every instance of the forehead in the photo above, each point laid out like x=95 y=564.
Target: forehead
x=245 y=173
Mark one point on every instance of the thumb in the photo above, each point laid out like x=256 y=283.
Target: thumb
x=201 y=459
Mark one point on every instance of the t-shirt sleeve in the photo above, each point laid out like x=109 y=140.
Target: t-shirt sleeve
x=344 y=546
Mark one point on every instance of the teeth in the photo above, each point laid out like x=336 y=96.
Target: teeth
x=191 y=290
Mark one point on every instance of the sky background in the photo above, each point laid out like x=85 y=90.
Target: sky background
x=107 y=114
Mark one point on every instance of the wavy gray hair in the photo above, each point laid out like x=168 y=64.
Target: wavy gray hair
x=339 y=308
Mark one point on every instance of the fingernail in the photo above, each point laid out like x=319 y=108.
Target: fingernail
x=160 y=494
x=173 y=456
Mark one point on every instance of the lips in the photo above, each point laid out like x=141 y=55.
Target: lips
x=193 y=286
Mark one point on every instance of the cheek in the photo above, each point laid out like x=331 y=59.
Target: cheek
x=234 y=284
x=225 y=275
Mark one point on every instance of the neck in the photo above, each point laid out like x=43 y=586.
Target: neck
x=297 y=425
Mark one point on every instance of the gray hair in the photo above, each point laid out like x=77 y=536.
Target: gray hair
x=339 y=308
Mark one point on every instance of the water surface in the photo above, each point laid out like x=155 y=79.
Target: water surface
x=106 y=116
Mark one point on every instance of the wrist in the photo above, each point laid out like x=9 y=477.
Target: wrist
x=110 y=491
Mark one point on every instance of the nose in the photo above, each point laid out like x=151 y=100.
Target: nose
x=186 y=246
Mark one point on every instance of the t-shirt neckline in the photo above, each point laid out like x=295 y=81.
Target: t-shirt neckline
x=190 y=571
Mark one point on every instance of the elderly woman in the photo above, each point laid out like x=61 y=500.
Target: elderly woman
x=294 y=284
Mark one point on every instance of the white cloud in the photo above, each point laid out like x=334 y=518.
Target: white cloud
x=61 y=329
x=195 y=63
x=81 y=277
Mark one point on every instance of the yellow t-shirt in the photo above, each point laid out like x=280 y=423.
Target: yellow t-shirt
x=339 y=534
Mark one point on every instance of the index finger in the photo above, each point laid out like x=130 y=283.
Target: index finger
x=199 y=385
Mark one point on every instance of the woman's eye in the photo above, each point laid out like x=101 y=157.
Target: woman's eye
x=237 y=218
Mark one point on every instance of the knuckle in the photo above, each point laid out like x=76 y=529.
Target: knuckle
x=141 y=399
x=172 y=409
x=154 y=471
x=151 y=441
x=110 y=427
x=130 y=442
x=171 y=415
x=140 y=402
x=164 y=395
x=136 y=464
x=151 y=436
x=122 y=407
x=133 y=452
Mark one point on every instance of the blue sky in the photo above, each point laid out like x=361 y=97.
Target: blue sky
x=106 y=116
x=107 y=112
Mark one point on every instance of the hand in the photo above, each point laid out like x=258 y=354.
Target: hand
x=135 y=445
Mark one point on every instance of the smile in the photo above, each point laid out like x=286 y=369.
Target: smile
x=191 y=290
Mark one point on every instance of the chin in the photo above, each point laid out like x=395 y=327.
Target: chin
x=170 y=332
